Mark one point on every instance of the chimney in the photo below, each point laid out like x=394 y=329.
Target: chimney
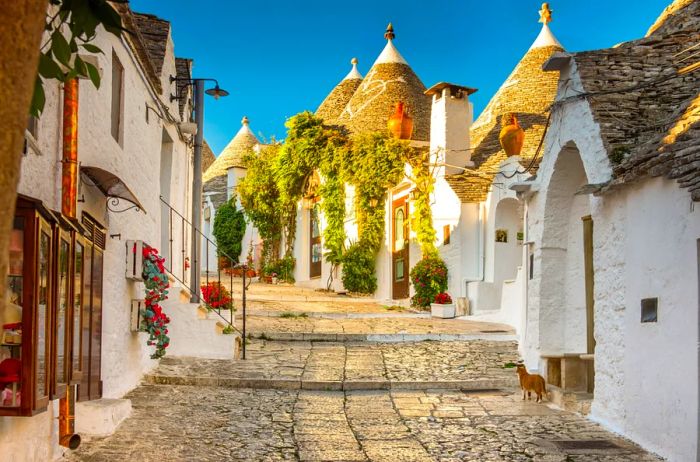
x=450 y=119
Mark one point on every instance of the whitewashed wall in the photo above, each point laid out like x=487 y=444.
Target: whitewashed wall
x=645 y=245
x=136 y=160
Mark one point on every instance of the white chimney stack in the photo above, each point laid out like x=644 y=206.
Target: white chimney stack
x=450 y=119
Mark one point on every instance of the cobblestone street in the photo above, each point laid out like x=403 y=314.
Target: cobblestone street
x=349 y=400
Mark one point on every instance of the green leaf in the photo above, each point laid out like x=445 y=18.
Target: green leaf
x=48 y=67
x=79 y=67
x=60 y=47
x=38 y=98
x=107 y=15
x=92 y=48
x=94 y=74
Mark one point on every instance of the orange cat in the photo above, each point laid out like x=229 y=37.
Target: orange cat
x=530 y=383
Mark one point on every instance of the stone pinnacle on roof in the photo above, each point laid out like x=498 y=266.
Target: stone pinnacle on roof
x=390 y=54
x=546 y=37
x=233 y=153
x=354 y=73
x=545 y=14
x=338 y=98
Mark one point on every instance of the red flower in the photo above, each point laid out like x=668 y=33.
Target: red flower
x=443 y=298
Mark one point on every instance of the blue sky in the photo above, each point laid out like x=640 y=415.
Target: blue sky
x=278 y=58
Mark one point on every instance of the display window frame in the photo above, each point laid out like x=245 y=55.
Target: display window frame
x=44 y=232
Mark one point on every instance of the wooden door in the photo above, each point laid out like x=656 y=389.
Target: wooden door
x=399 y=243
x=315 y=248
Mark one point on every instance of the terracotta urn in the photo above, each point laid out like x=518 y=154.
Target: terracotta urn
x=400 y=123
x=512 y=135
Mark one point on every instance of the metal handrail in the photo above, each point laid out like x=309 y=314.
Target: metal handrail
x=196 y=292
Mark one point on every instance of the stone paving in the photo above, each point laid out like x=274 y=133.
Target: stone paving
x=189 y=423
x=327 y=365
x=271 y=326
x=352 y=401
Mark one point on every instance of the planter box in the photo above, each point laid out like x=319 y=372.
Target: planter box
x=442 y=311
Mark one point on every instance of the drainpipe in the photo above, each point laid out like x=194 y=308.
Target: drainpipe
x=66 y=420
x=69 y=189
x=69 y=178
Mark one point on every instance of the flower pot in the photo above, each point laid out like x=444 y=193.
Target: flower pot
x=275 y=280
x=442 y=311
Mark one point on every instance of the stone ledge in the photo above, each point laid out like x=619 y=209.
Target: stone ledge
x=333 y=385
x=382 y=338
x=101 y=417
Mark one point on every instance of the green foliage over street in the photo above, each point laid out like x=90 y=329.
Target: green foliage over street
x=317 y=161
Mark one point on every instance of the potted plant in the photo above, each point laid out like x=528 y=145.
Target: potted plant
x=274 y=278
x=442 y=306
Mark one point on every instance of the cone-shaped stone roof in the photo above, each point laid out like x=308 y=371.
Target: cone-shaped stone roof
x=339 y=97
x=389 y=81
x=528 y=92
x=233 y=153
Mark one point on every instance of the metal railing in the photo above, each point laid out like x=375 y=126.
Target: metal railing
x=177 y=222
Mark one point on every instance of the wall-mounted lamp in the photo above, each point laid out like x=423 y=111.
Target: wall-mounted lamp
x=373 y=202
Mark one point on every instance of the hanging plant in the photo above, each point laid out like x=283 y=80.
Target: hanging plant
x=154 y=320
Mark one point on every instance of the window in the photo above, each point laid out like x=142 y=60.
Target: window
x=446 y=234
x=41 y=329
x=117 y=97
x=33 y=130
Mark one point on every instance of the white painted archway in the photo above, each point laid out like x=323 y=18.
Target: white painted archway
x=563 y=327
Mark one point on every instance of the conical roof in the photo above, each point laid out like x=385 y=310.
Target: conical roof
x=339 y=97
x=528 y=93
x=233 y=153
x=389 y=81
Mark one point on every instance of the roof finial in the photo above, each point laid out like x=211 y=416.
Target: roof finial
x=389 y=34
x=244 y=121
x=354 y=62
x=545 y=14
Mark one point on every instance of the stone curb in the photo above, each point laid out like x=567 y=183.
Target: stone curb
x=383 y=338
x=332 y=385
x=322 y=315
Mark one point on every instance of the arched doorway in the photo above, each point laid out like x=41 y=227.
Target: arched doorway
x=507 y=253
x=566 y=287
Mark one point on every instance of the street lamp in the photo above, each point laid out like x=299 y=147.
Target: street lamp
x=199 y=91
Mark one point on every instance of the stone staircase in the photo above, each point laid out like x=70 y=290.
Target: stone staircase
x=195 y=331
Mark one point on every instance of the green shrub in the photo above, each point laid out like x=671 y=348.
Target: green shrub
x=229 y=228
x=358 y=269
x=429 y=278
x=283 y=269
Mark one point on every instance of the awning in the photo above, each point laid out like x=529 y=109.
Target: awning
x=110 y=184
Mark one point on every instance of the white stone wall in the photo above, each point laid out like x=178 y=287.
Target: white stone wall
x=136 y=160
x=645 y=245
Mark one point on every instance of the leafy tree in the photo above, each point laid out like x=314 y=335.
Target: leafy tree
x=229 y=228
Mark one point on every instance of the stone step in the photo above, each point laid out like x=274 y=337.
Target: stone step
x=194 y=334
x=322 y=315
x=573 y=401
x=332 y=385
x=385 y=338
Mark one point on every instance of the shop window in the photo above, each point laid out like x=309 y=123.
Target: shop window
x=41 y=340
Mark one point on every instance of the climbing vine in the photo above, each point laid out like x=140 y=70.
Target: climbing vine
x=423 y=178
x=372 y=163
x=260 y=199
